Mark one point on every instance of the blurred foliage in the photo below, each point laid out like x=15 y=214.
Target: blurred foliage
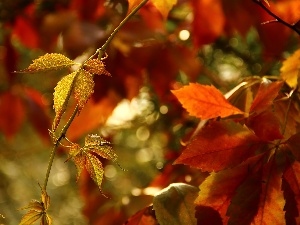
x=134 y=108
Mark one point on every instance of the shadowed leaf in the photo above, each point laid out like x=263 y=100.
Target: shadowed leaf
x=204 y=101
x=267 y=92
x=220 y=145
x=145 y=216
x=53 y=61
x=175 y=205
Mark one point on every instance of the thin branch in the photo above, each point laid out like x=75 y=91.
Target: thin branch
x=292 y=27
x=101 y=52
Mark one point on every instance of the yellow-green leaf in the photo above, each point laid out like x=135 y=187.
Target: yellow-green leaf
x=96 y=66
x=34 y=205
x=53 y=61
x=83 y=88
x=290 y=69
x=62 y=93
x=92 y=140
x=95 y=169
x=164 y=6
x=30 y=217
x=78 y=158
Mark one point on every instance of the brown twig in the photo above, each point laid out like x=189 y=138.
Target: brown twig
x=277 y=18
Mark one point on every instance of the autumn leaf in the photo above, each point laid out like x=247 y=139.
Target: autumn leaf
x=53 y=61
x=218 y=189
x=270 y=210
x=220 y=145
x=175 y=204
x=292 y=192
x=37 y=210
x=294 y=145
x=62 y=93
x=204 y=101
x=83 y=157
x=266 y=126
x=265 y=96
x=164 y=6
x=83 y=88
x=145 y=216
x=290 y=69
x=96 y=66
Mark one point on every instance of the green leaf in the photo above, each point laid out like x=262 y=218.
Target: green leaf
x=62 y=93
x=53 y=61
x=83 y=88
x=175 y=205
x=95 y=169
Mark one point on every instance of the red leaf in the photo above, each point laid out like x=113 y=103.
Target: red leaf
x=145 y=216
x=270 y=210
x=291 y=190
x=267 y=92
x=11 y=114
x=209 y=21
x=205 y=102
x=37 y=112
x=294 y=145
x=220 y=145
x=266 y=126
x=217 y=191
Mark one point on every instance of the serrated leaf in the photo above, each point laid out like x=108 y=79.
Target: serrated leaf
x=101 y=147
x=62 y=93
x=30 y=217
x=205 y=102
x=78 y=158
x=164 y=6
x=175 y=205
x=34 y=205
x=96 y=66
x=95 y=169
x=53 y=61
x=290 y=69
x=83 y=88
x=220 y=145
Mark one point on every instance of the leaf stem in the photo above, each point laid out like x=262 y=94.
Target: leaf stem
x=101 y=52
x=278 y=19
x=112 y=35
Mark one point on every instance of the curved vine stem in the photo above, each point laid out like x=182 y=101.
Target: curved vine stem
x=100 y=51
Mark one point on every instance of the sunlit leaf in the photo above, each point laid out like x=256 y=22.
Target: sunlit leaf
x=270 y=210
x=96 y=66
x=83 y=87
x=290 y=69
x=78 y=158
x=220 y=145
x=205 y=102
x=95 y=169
x=46 y=219
x=62 y=94
x=265 y=96
x=30 y=217
x=175 y=205
x=218 y=189
x=164 y=6
x=100 y=146
x=53 y=61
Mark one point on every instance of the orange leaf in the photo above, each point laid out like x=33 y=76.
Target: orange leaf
x=132 y=4
x=205 y=102
x=218 y=189
x=164 y=6
x=145 y=216
x=271 y=204
x=220 y=145
x=267 y=92
x=290 y=69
